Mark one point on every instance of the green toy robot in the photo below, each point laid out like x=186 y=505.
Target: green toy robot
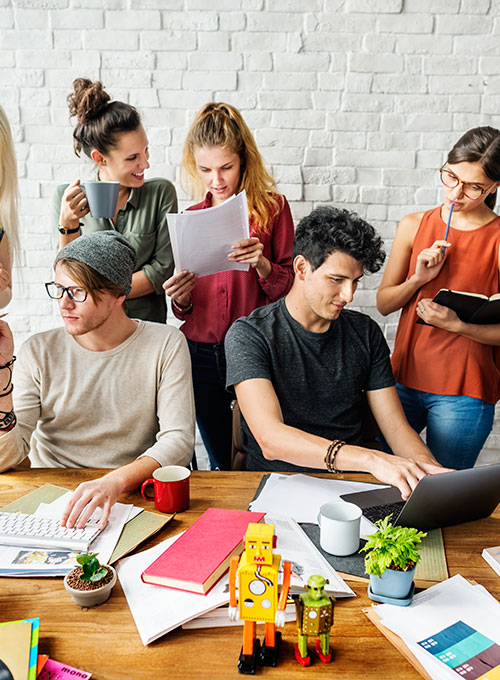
x=314 y=611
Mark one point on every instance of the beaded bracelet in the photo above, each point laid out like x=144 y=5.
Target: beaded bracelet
x=331 y=452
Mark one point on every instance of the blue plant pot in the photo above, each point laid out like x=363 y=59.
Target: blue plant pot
x=392 y=583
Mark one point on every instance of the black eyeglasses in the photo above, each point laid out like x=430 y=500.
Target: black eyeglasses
x=55 y=291
x=470 y=189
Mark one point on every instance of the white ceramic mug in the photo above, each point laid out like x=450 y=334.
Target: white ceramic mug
x=339 y=524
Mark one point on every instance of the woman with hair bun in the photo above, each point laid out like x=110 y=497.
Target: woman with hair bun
x=110 y=133
x=448 y=371
x=221 y=158
x=9 y=225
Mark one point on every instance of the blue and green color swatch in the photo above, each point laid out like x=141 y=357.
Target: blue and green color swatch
x=470 y=654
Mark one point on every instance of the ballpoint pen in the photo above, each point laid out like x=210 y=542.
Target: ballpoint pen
x=448 y=226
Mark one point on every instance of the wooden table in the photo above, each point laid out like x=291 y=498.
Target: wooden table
x=104 y=640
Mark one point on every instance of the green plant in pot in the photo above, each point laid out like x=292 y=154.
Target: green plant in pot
x=91 y=582
x=391 y=560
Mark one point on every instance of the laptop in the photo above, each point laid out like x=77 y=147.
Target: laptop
x=437 y=501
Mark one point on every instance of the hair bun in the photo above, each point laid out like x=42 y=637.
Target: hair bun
x=87 y=100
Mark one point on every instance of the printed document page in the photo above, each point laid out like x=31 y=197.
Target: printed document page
x=451 y=628
x=202 y=239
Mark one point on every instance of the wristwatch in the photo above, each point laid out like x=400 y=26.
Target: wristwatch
x=65 y=230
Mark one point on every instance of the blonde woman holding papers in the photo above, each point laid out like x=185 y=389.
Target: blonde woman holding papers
x=221 y=158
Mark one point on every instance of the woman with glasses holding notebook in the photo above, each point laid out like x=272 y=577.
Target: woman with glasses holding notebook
x=448 y=371
x=220 y=159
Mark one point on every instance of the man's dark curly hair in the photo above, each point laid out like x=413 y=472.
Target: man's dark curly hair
x=328 y=229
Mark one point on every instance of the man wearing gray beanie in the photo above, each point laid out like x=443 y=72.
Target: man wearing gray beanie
x=104 y=390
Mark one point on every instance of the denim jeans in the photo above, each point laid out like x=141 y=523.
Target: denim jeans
x=457 y=426
x=212 y=401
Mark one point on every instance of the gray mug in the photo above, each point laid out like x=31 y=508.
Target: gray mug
x=102 y=197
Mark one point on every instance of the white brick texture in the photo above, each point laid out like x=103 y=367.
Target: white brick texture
x=352 y=102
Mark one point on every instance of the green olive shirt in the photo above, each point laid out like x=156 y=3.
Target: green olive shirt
x=143 y=222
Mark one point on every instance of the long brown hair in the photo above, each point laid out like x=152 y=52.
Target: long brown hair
x=480 y=145
x=219 y=124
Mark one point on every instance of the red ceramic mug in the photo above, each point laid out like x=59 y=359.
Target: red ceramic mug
x=171 y=488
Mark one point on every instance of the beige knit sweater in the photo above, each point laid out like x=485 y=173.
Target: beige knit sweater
x=82 y=408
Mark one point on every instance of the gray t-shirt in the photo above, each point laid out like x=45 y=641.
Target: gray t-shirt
x=319 y=378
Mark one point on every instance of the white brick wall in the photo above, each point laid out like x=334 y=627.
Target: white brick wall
x=353 y=102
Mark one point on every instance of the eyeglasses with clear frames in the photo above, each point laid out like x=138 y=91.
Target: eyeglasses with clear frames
x=470 y=189
x=55 y=291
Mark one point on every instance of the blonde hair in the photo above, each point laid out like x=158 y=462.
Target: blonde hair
x=9 y=192
x=219 y=124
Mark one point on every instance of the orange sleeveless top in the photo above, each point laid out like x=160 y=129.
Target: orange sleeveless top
x=432 y=359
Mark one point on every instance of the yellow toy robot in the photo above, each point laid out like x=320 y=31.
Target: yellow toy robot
x=257 y=575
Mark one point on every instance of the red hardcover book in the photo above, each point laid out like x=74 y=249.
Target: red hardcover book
x=197 y=559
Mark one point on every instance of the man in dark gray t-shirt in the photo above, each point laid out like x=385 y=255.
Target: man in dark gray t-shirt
x=301 y=367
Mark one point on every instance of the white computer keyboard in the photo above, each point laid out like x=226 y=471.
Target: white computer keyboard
x=25 y=530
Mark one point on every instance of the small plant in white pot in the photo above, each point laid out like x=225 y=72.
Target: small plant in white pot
x=391 y=560
x=90 y=583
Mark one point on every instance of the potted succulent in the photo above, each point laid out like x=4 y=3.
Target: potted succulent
x=391 y=560
x=90 y=583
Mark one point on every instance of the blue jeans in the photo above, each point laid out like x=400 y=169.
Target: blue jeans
x=457 y=426
x=212 y=401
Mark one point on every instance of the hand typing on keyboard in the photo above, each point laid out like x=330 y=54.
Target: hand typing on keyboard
x=404 y=473
x=98 y=493
x=104 y=492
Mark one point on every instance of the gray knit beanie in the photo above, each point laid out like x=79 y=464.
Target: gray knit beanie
x=108 y=252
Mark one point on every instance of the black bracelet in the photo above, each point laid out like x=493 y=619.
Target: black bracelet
x=7 y=421
x=8 y=366
x=6 y=394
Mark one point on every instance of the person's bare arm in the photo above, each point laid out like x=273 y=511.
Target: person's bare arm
x=396 y=289
x=141 y=285
x=5 y=272
x=74 y=206
x=401 y=437
x=261 y=409
x=445 y=318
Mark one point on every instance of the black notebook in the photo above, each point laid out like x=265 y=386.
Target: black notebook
x=469 y=307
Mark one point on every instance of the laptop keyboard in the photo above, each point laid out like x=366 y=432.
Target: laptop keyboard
x=380 y=511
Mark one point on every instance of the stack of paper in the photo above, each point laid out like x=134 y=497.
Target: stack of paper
x=202 y=239
x=301 y=496
x=452 y=629
x=19 y=648
x=157 y=610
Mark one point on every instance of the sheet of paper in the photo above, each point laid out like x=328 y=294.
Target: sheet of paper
x=438 y=608
x=293 y=545
x=301 y=496
x=157 y=610
x=106 y=541
x=202 y=239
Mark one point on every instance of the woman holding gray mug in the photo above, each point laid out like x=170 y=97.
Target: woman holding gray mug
x=110 y=133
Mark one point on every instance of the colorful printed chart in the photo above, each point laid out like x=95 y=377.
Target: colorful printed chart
x=470 y=654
